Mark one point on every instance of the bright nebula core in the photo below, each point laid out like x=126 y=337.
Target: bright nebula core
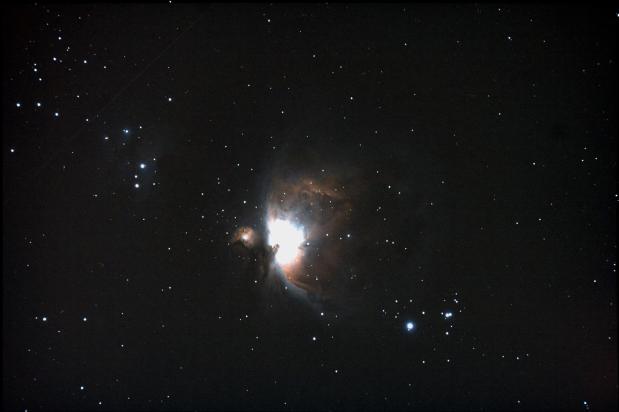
x=286 y=239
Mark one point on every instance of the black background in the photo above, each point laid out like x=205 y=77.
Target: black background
x=482 y=141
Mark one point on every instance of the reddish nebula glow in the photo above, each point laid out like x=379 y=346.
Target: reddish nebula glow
x=246 y=235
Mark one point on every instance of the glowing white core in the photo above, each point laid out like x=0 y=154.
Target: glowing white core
x=288 y=236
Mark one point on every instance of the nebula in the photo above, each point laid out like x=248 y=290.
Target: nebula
x=286 y=238
x=247 y=236
x=306 y=221
x=306 y=226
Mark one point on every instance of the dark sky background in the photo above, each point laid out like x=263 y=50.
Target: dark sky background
x=477 y=145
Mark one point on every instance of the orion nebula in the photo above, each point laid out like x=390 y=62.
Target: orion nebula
x=306 y=226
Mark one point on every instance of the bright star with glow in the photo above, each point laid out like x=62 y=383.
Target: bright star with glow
x=288 y=237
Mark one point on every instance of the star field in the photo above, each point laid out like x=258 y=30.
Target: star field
x=319 y=206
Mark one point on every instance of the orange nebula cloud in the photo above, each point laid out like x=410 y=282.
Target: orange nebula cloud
x=246 y=235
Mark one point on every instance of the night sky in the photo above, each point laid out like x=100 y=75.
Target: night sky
x=320 y=206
